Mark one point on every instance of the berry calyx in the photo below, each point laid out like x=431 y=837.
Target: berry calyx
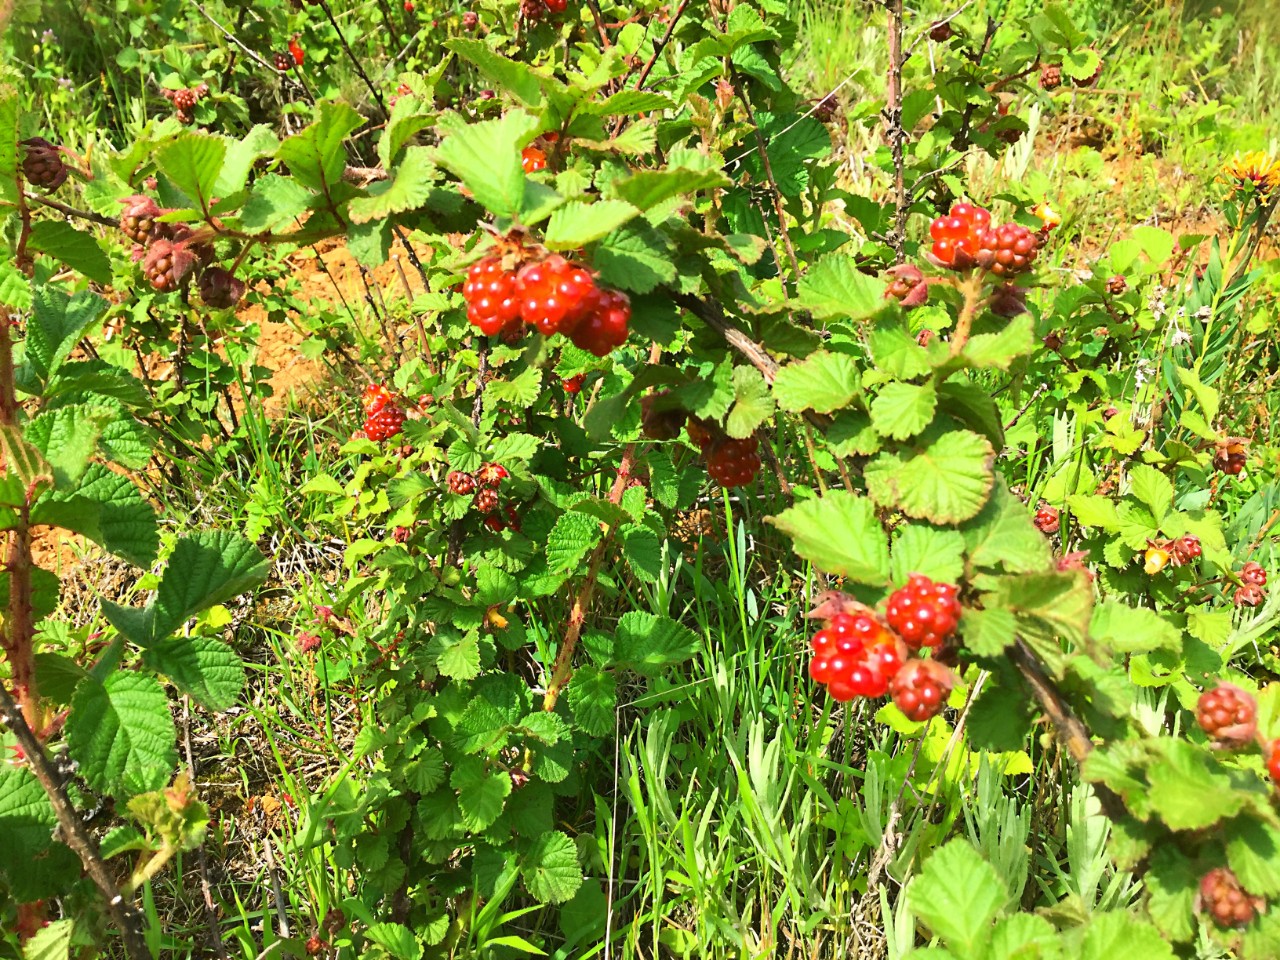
x=461 y=483
x=1253 y=573
x=166 y=264
x=908 y=285
x=1226 y=902
x=1047 y=520
x=492 y=474
x=1228 y=714
x=532 y=160
x=923 y=613
x=734 y=463
x=920 y=688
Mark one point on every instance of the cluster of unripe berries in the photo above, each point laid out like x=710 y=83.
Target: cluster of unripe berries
x=859 y=654
x=553 y=294
x=1230 y=456
x=966 y=238
x=185 y=100
x=42 y=164
x=170 y=252
x=383 y=415
x=1163 y=553
x=482 y=487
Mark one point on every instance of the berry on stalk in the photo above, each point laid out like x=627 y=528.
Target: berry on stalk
x=1250 y=595
x=42 y=164
x=283 y=61
x=855 y=656
x=375 y=397
x=555 y=295
x=1050 y=76
x=923 y=613
x=605 y=325
x=920 y=688
x=384 y=423
x=1228 y=714
x=219 y=288
x=490 y=293
x=492 y=474
x=1047 y=519
x=1228 y=903
x=461 y=483
x=296 y=51
x=1230 y=457
x=734 y=463
x=1156 y=559
x=138 y=220
x=485 y=500
x=532 y=160
x=1253 y=573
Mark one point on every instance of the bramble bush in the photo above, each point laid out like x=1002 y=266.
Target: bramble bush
x=640 y=270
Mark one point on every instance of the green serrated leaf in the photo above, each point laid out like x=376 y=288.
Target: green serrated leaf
x=575 y=224
x=274 y=202
x=999 y=350
x=897 y=354
x=77 y=249
x=946 y=480
x=840 y=534
x=486 y=157
x=753 y=403
x=648 y=188
x=121 y=733
x=203 y=667
x=636 y=258
x=108 y=509
x=937 y=554
x=823 y=382
x=1133 y=629
x=646 y=643
x=316 y=156
x=959 y=895
x=550 y=868
x=193 y=161
x=902 y=410
x=835 y=287
x=592 y=697
x=481 y=792
x=570 y=540
x=407 y=190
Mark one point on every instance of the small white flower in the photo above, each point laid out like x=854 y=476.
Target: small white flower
x=1143 y=371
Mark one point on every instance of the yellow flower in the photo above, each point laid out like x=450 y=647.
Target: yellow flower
x=1157 y=559
x=1048 y=216
x=1254 y=172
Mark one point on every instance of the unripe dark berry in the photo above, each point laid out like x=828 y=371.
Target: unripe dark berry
x=138 y=220
x=219 y=288
x=1117 y=285
x=1250 y=595
x=1252 y=572
x=470 y=20
x=42 y=164
x=940 y=31
x=1050 y=76
x=461 y=483
x=658 y=421
x=924 y=613
x=284 y=62
x=485 y=500
x=1185 y=549
x=907 y=285
x=920 y=688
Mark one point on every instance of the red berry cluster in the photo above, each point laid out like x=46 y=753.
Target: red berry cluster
x=537 y=9
x=185 y=100
x=555 y=295
x=482 y=486
x=533 y=159
x=1252 y=590
x=383 y=415
x=1047 y=520
x=170 y=252
x=1230 y=457
x=573 y=384
x=966 y=238
x=1228 y=714
x=731 y=462
x=924 y=613
x=1050 y=76
x=463 y=484
x=858 y=654
x=1226 y=901
x=42 y=164
x=403 y=90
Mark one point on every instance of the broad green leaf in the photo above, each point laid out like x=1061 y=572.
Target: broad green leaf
x=407 y=190
x=24 y=462
x=626 y=102
x=937 y=554
x=1207 y=397
x=122 y=734
x=642 y=549
x=108 y=509
x=646 y=189
x=592 y=696
x=1051 y=608
x=486 y=157
x=646 y=644
x=570 y=540
x=203 y=667
x=51 y=943
x=636 y=258
x=999 y=350
x=9 y=149
x=1023 y=936
x=57 y=676
x=1189 y=791
x=947 y=480
x=959 y=895
x=193 y=161
x=516 y=78
x=1171 y=884
x=575 y=224
x=317 y=155
x=550 y=868
x=902 y=410
x=481 y=792
x=458 y=658
x=752 y=402
x=396 y=939
x=971 y=405
x=840 y=534
x=1153 y=488
x=835 y=287
x=370 y=243
x=32 y=864
x=261 y=141
x=1080 y=64
x=851 y=434
x=274 y=202
x=1253 y=853
x=897 y=354
x=1094 y=511
x=1114 y=934
x=426 y=772
x=988 y=632
x=68 y=437
x=1133 y=629
x=77 y=249
x=823 y=382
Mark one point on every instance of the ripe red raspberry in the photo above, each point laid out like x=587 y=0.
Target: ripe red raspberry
x=296 y=51
x=1047 y=520
x=461 y=483
x=556 y=6
x=605 y=325
x=555 y=295
x=955 y=236
x=734 y=463
x=1273 y=761
x=532 y=160
x=855 y=656
x=1228 y=903
x=42 y=164
x=385 y=422
x=284 y=61
x=1007 y=250
x=1253 y=573
x=490 y=293
x=1185 y=549
x=485 y=500
x=470 y=20
x=492 y=474
x=923 y=613
x=533 y=9
x=1250 y=595
x=1050 y=76
x=494 y=523
x=920 y=688
x=1228 y=715
x=219 y=288
x=138 y=220
x=573 y=384
x=375 y=397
